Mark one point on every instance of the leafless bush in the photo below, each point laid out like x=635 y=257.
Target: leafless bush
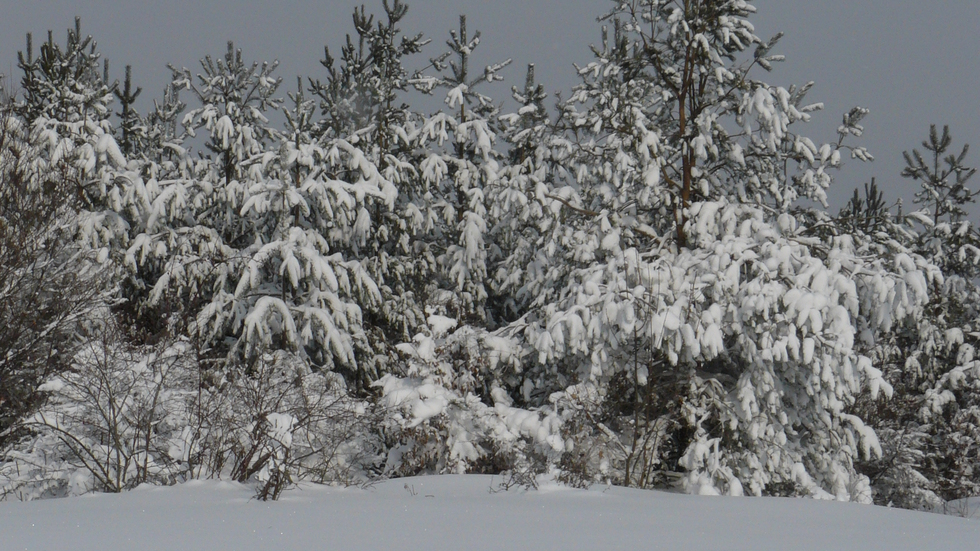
x=47 y=284
x=277 y=422
x=124 y=416
x=108 y=422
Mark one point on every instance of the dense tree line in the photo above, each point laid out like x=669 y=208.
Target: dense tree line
x=640 y=284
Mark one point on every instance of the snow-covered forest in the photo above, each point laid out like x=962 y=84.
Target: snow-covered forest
x=382 y=271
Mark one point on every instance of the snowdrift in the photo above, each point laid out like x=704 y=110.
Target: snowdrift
x=462 y=513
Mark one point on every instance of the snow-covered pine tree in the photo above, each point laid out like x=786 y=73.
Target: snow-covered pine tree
x=950 y=240
x=162 y=153
x=67 y=85
x=932 y=432
x=459 y=167
x=521 y=210
x=66 y=92
x=689 y=56
x=363 y=102
x=192 y=231
x=249 y=246
x=362 y=94
x=131 y=128
x=874 y=230
x=234 y=98
x=445 y=410
x=299 y=290
x=697 y=325
x=157 y=154
x=944 y=356
x=59 y=216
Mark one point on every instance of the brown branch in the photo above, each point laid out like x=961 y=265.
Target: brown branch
x=585 y=212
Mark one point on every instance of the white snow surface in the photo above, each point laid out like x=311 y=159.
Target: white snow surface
x=459 y=512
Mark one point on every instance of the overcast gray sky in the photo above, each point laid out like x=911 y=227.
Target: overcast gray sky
x=912 y=62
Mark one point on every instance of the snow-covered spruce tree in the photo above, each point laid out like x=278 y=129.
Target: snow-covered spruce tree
x=697 y=326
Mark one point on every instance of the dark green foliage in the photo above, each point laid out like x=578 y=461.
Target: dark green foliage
x=868 y=214
x=942 y=176
x=364 y=89
x=64 y=84
x=129 y=119
x=929 y=429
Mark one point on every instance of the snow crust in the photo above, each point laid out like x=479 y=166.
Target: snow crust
x=459 y=512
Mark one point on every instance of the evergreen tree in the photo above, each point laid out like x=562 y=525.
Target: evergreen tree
x=363 y=103
x=640 y=286
x=248 y=248
x=522 y=211
x=930 y=432
x=945 y=195
x=61 y=219
x=66 y=92
x=234 y=98
x=298 y=292
x=163 y=148
x=460 y=170
x=690 y=311
x=130 y=124
x=191 y=233
x=65 y=84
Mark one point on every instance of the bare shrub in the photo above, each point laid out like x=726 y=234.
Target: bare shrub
x=47 y=283
x=107 y=423
x=277 y=422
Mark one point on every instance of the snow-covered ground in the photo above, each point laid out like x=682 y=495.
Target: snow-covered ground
x=460 y=513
